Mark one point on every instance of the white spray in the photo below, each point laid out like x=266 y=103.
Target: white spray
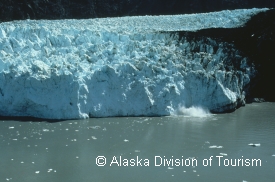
x=193 y=111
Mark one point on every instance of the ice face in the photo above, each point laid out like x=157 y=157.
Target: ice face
x=128 y=66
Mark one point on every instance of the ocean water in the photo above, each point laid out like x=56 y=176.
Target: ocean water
x=189 y=147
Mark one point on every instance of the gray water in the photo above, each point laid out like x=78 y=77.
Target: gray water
x=68 y=150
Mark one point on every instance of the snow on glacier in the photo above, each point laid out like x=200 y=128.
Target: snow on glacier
x=128 y=66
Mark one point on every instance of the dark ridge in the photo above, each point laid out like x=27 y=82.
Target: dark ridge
x=81 y=9
x=256 y=40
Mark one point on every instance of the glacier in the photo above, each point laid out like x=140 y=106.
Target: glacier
x=126 y=66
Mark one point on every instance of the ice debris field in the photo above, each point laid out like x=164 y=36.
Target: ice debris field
x=128 y=66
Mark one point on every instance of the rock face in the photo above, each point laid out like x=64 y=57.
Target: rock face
x=64 y=9
x=258 y=42
x=131 y=66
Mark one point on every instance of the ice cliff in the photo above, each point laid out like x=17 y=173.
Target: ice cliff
x=129 y=66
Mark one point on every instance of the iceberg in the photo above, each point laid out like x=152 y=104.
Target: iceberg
x=127 y=66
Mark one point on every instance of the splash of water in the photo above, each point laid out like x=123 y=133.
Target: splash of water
x=193 y=111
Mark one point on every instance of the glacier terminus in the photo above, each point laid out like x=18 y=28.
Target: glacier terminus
x=127 y=66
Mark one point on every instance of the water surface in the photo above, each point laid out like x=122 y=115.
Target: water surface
x=67 y=150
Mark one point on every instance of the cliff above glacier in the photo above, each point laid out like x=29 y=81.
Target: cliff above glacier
x=64 y=9
x=130 y=66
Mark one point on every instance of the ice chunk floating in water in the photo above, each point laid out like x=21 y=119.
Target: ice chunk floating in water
x=255 y=144
x=130 y=66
